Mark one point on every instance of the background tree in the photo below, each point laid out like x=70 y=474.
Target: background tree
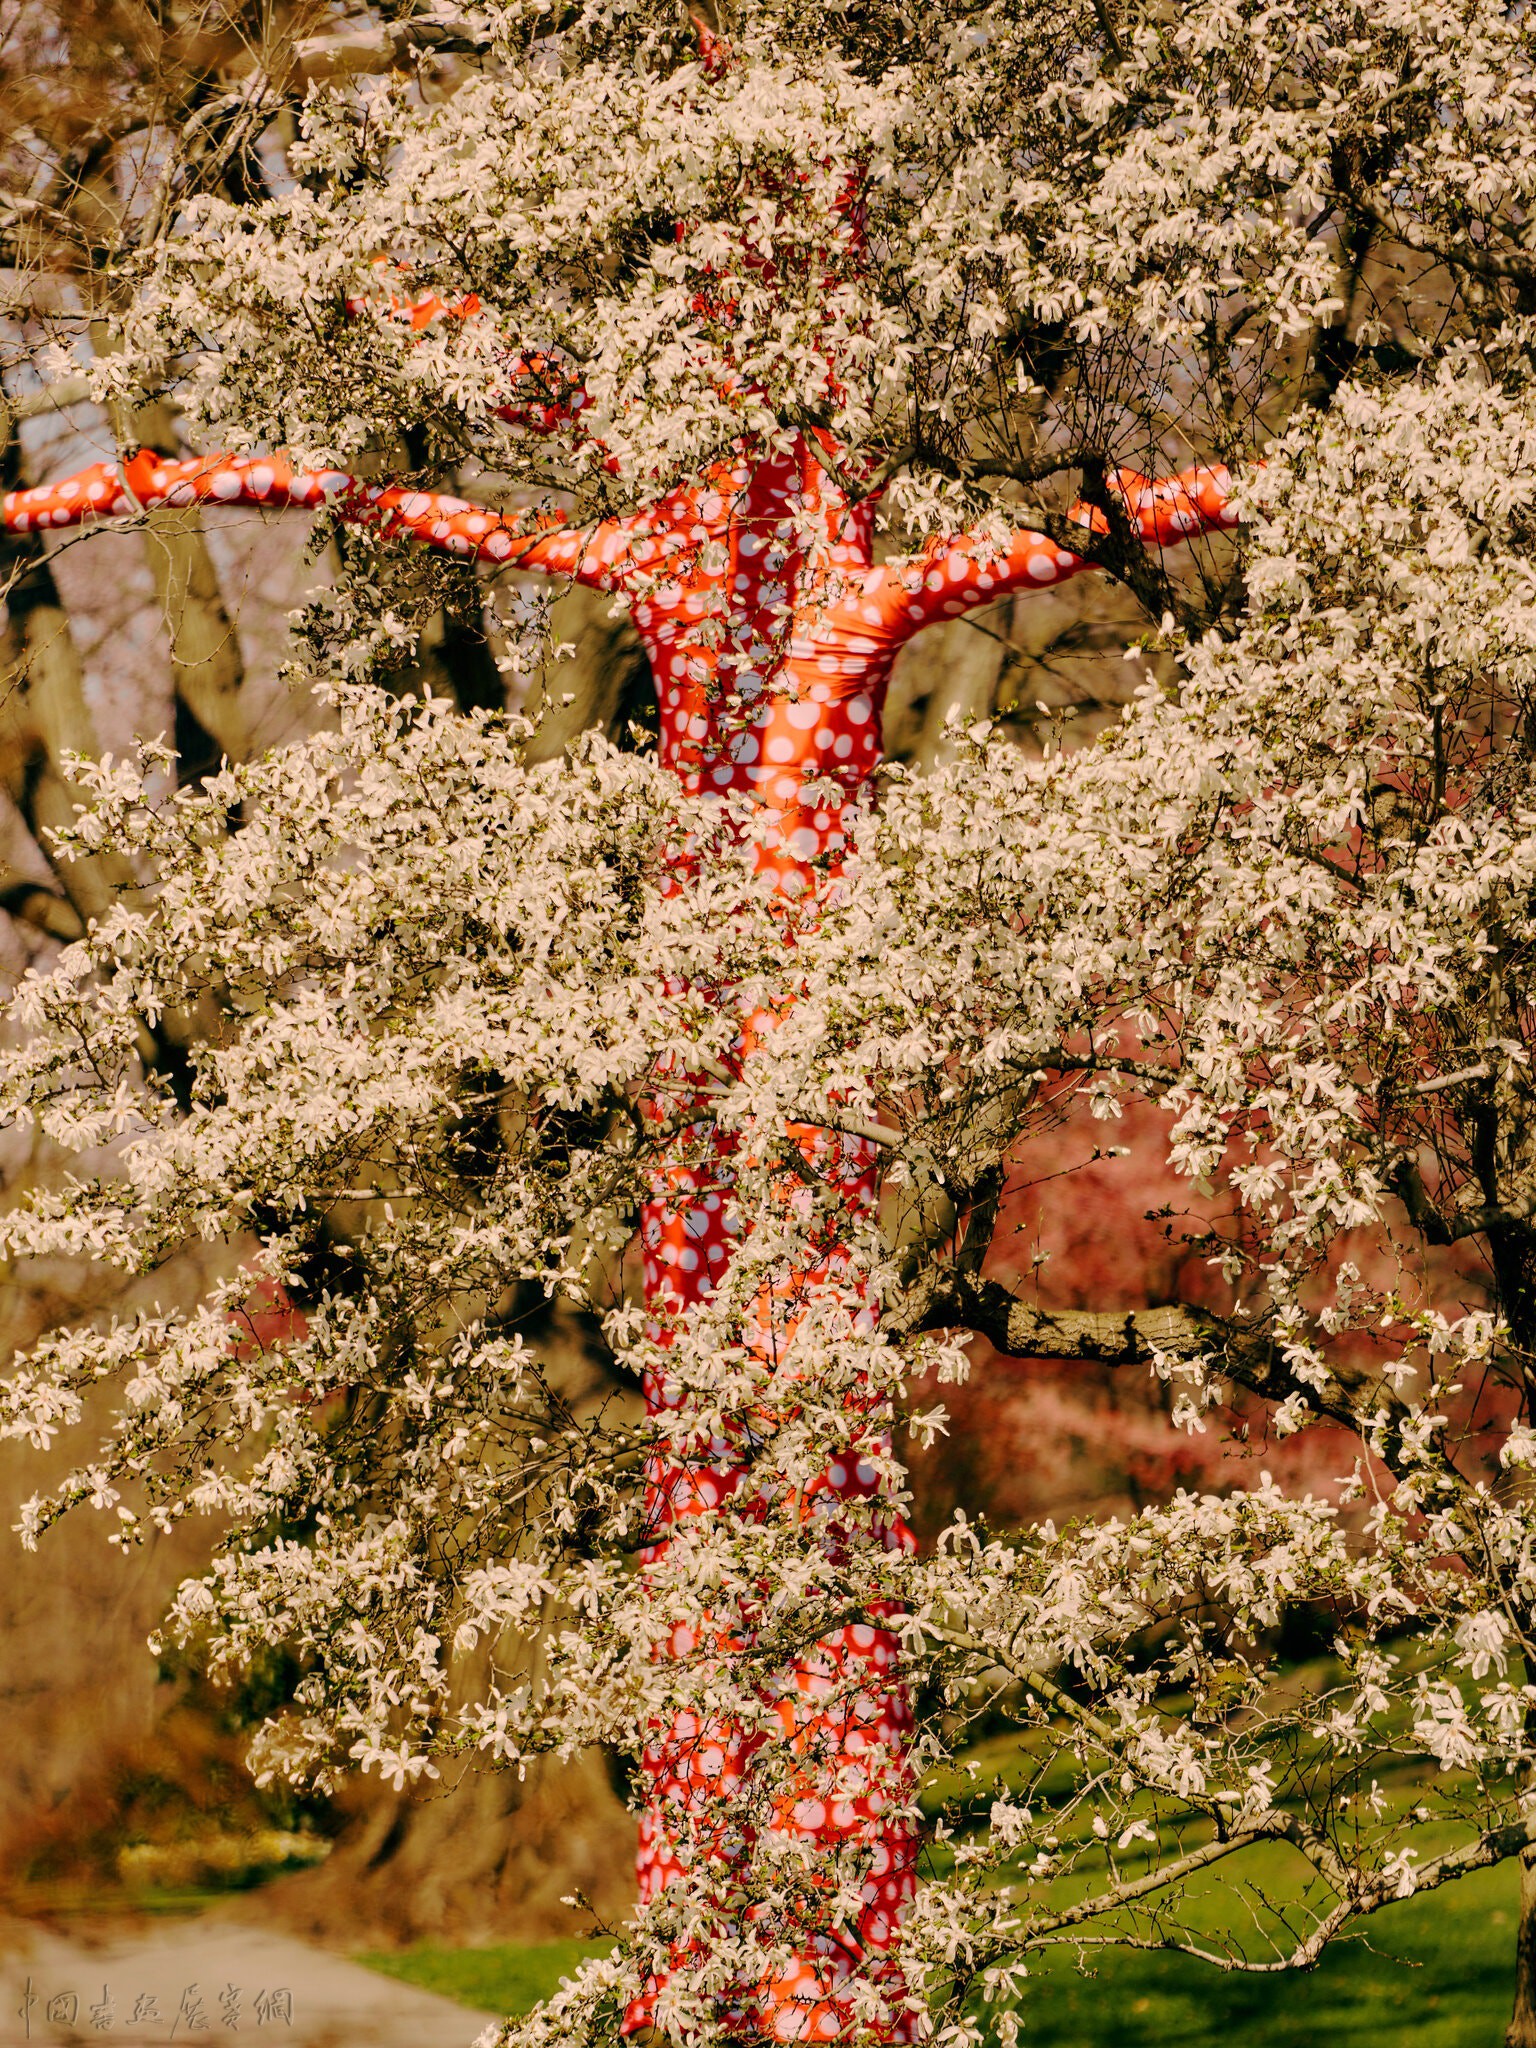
x=1372 y=776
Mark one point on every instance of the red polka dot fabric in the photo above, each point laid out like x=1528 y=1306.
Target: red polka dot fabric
x=839 y=1710
x=771 y=633
x=793 y=689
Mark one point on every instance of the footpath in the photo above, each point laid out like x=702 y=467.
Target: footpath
x=205 y=1981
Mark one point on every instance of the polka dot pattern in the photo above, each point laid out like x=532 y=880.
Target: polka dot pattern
x=771 y=634
x=840 y=1713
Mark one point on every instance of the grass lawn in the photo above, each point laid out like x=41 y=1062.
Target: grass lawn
x=509 y=1978
x=1438 y=1973
x=1431 y=1972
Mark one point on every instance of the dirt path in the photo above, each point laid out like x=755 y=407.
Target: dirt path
x=209 y=1981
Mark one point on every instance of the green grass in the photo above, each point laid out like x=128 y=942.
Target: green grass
x=62 y=1899
x=1435 y=1972
x=508 y=1978
x=1432 y=1972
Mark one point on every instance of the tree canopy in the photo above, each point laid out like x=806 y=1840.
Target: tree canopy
x=957 y=275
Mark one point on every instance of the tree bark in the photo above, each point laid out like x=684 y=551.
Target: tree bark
x=487 y=1860
x=43 y=716
x=207 y=669
x=1521 y=2031
x=954 y=667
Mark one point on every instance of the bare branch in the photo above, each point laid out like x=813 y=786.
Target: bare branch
x=1032 y=1680
x=374 y=47
x=1510 y=266
x=1356 y=1901
x=1481 y=1072
x=945 y=1296
x=948 y=1298
x=1407 y=1184
x=1158 y=1878
x=1110 y=33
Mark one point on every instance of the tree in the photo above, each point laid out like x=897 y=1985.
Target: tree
x=718 y=549
x=1284 y=900
x=91 y=98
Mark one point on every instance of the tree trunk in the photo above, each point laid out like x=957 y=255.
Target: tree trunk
x=1506 y=1157
x=43 y=712
x=488 y=1860
x=1521 y=2031
x=207 y=668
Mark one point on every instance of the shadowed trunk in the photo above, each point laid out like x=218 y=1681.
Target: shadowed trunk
x=488 y=1860
x=1521 y=2031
